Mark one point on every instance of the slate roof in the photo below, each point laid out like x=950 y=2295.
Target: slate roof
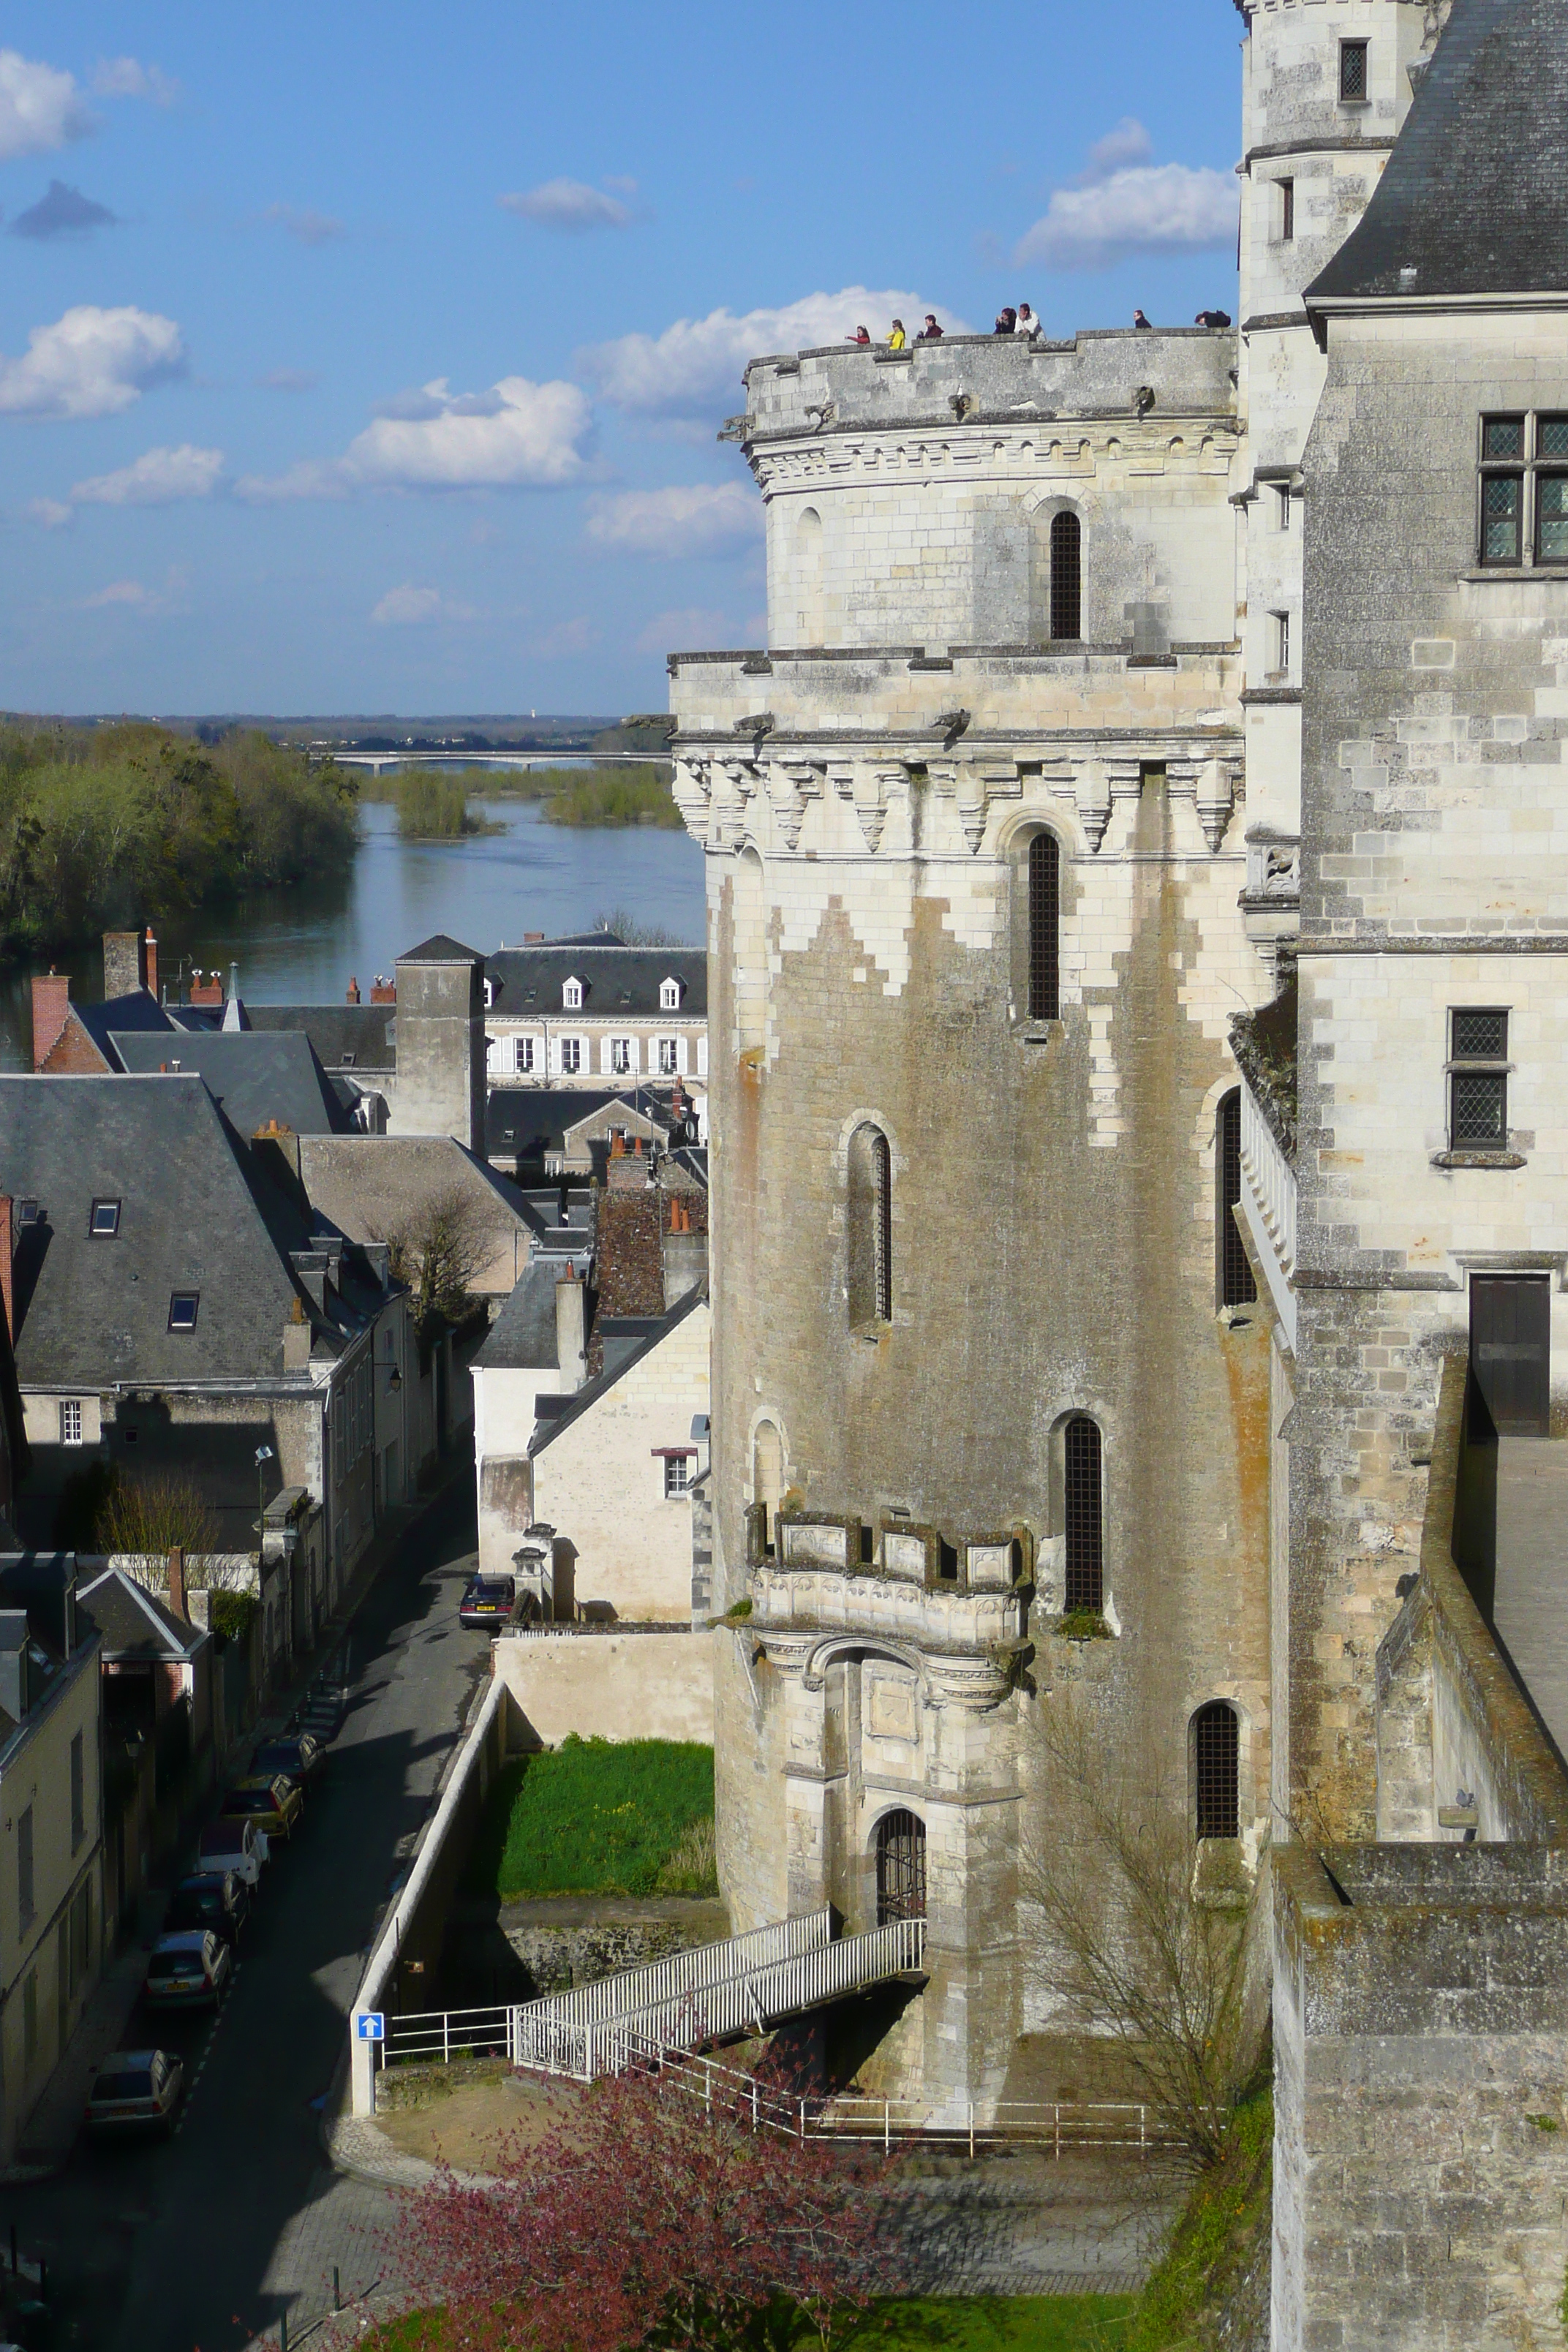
x=1475 y=195
x=134 y=1622
x=255 y=1078
x=644 y=1333
x=194 y=1216
x=373 y=1186
x=139 y=1012
x=522 y=1338
x=439 y=949
x=357 y=1037
x=623 y=983
x=532 y=1120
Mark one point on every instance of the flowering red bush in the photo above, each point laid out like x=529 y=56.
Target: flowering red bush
x=646 y=2217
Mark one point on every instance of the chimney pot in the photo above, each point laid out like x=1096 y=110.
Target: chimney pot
x=352 y=995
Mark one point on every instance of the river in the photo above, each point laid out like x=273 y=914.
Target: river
x=303 y=946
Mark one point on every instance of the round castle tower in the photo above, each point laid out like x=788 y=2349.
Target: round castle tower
x=983 y=1360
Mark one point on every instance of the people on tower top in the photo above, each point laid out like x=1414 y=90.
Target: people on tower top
x=1139 y=320
x=1212 y=318
x=897 y=337
x=1028 y=321
x=1007 y=321
x=862 y=335
x=931 y=332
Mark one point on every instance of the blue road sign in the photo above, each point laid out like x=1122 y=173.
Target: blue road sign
x=369 y=2025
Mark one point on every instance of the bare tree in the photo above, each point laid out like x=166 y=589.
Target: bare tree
x=148 y=1516
x=1141 y=1943
x=437 y=1251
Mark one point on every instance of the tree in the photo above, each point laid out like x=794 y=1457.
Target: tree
x=437 y=1252
x=1140 y=1942
x=148 y=1516
x=646 y=2217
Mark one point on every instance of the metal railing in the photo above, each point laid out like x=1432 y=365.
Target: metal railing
x=708 y=1994
x=1268 y=1204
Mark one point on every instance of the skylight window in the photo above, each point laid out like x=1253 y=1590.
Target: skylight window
x=28 y=1212
x=105 y=1217
x=183 y=1305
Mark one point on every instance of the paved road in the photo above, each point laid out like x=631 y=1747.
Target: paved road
x=194 y=2246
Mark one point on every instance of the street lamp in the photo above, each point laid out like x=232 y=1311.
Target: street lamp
x=264 y=1454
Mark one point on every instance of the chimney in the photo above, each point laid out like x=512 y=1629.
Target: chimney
x=209 y=990
x=531 y=938
x=7 y=1263
x=51 y=1004
x=150 y=963
x=383 y=990
x=570 y=1353
x=125 y=964
x=350 y=995
x=177 y=1584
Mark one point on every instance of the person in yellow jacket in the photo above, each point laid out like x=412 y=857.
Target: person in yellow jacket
x=898 y=339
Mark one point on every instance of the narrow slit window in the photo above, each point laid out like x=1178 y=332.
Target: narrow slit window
x=1287 y=212
x=1353 y=72
x=1067 y=577
x=1281 y=648
x=1083 y=1514
x=1045 y=928
x=1236 y=1285
x=1216 y=1770
x=870 y=1229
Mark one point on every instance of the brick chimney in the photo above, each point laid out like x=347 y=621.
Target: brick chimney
x=209 y=990
x=351 y=995
x=150 y=963
x=177 y=1607
x=383 y=990
x=7 y=1264
x=531 y=938
x=51 y=1005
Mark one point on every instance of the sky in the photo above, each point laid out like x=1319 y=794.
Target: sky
x=371 y=358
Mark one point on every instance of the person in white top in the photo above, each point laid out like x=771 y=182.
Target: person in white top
x=1026 y=323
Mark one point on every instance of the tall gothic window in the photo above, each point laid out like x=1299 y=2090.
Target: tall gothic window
x=870 y=1228
x=1233 y=1276
x=901 y=1867
x=1045 y=928
x=1082 y=1515
x=1216 y=1745
x=1067 y=576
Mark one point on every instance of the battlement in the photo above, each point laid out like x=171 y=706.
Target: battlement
x=1177 y=371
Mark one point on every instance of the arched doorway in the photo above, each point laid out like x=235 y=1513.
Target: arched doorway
x=901 y=1867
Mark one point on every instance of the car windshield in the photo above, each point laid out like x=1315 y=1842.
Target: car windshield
x=249 y=1801
x=135 y=2083
x=488 y=1593
x=205 y=1906
x=179 y=1964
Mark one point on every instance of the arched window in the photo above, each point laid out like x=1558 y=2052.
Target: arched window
x=1045 y=928
x=870 y=1228
x=1067 y=575
x=1082 y=1515
x=1233 y=1276
x=808 y=578
x=767 y=1478
x=901 y=1867
x=1217 y=1744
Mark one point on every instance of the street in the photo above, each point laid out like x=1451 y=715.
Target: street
x=196 y=2243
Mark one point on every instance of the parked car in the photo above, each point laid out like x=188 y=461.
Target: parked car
x=488 y=1600
x=234 y=1844
x=136 y=2090
x=299 y=1758
x=218 y=1899
x=188 y=1971
x=272 y=1802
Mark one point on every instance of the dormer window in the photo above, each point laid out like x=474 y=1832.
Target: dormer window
x=572 y=995
x=670 y=993
x=489 y=994
x=105 y=1218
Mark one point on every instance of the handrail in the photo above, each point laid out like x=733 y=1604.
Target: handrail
x=650 y=1983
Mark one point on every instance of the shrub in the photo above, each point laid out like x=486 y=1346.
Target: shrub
x=231 y=1615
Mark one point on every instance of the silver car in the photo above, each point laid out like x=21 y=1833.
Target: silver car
x=136 y=2090
x=188 y=1971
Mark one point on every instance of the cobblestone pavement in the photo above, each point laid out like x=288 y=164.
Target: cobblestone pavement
x=200 y=2244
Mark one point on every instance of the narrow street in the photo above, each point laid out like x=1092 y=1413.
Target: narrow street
x=194 y=2245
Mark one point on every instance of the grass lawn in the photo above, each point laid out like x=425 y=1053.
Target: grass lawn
x=600 y=1817
x=981 y=2323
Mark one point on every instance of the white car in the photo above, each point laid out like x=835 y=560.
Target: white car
x=233 y=1842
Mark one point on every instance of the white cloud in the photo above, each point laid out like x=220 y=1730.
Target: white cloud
x=40 y=107
x=118 y=592
x=571 y=205
x=1126 y=142
x=690 y=626
x=695 y=366
x=309 y=228
x=157 y=478
x=700 y=519
x=517 y=436
x=50 y=514
x=577 y=636
x=410 y=607
x=128 y=77
x=91 y=363
x=135 y=596
x=288 y=379
x=1126 y=205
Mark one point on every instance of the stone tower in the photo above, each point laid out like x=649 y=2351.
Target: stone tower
x=988 y=1395
x=440 y=1036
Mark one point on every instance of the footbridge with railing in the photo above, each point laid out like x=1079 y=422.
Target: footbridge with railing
x=709 y=1993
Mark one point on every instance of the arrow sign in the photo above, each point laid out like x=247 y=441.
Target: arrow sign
x=369 y=2025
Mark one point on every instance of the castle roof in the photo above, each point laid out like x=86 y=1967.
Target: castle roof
x=1475 y=197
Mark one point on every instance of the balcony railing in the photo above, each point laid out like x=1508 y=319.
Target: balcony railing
x=1268 y=1205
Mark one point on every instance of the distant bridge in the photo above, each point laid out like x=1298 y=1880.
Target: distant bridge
x=377 y=761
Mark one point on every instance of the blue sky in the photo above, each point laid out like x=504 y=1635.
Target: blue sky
x=363 y=358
